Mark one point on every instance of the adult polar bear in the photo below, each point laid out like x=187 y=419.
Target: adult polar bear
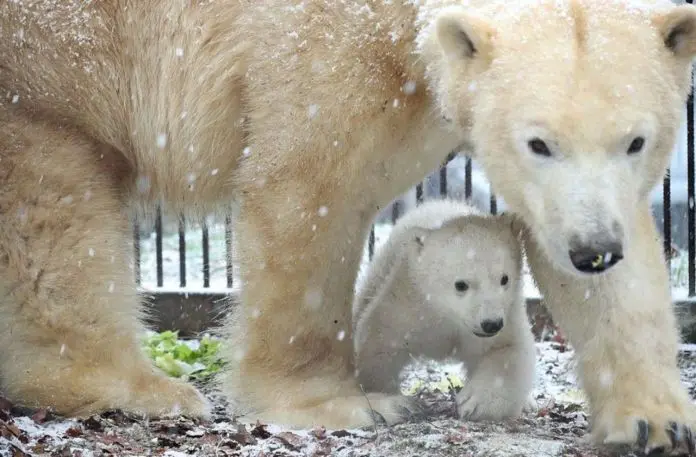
x=571 y=107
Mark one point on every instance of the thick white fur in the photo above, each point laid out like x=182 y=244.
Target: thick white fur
x=343 y=106
x=408 y=307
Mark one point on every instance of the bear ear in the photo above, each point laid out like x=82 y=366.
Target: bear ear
x=678 y=30
x=463 y=36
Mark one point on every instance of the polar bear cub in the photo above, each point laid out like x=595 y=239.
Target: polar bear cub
x=447 y=284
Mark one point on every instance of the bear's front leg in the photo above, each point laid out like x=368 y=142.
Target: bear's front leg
x=623 y=329
x=499 y=380
x=290 y=348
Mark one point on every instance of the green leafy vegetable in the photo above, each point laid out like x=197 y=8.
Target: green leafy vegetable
x=191 y=359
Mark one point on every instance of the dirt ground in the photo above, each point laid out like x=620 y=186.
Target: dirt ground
x=557 y=428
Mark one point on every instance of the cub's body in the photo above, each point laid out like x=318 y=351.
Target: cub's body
x=447 y=284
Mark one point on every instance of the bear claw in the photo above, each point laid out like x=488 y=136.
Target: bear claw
x=678 y=436
x=689 y=438
x=643 y=433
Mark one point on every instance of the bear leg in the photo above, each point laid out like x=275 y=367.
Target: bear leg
x=289 y=342
x=623 y=329
x=70 y=317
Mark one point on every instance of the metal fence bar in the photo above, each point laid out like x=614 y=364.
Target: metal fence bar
x=395 y=212
x=136 y=251
x=206 y=255
x=158 y=248
x=667 y=218
x=371 y=243
x=443 y=180
x=182 y=252
x=691 y=181
x=229 y=269
x=467 y=179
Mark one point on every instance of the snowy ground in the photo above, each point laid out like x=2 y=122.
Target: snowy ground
x=218 y=281
x=557 y=428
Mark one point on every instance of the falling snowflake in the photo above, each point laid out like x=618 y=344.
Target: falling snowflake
x=323 y=211
x=409 y=87
x=162 y=140
x=312 y=110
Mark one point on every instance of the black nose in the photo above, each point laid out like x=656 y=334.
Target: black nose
x=491 y=327
x=597 y=257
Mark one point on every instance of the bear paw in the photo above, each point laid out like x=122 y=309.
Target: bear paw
x=653 y=429
x=373 y=409
x=479 y=402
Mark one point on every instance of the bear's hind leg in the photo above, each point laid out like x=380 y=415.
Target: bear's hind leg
x=70 y=317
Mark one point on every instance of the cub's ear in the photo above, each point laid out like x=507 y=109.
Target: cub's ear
x=463 y=36
x=678 y=30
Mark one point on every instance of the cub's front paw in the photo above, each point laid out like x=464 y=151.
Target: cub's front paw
x=652 y=428
x=477 y=402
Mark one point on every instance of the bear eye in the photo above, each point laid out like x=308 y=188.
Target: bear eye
x=461 y=286
x=504 y=280
x=636 y=145
x=537 y=146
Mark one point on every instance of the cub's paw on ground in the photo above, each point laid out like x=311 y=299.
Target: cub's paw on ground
x=479 y=402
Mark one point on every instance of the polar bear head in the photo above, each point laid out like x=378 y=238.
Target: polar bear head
x=470 y=269
x=572 y=107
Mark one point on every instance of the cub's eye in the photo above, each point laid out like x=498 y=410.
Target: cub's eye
x=504 y=280
x=537 y=146
x=636 y=145
x=461 y=286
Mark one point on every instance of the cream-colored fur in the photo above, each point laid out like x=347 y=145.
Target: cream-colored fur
x=409 y=307
x=344 y=106
x=69 y=314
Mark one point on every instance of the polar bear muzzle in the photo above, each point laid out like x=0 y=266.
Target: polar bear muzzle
x=597 y=256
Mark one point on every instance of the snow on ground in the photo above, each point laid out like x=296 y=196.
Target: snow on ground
x=558 y=427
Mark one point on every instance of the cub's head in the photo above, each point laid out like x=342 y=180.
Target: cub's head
x=470 y=268
x=573 y=108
